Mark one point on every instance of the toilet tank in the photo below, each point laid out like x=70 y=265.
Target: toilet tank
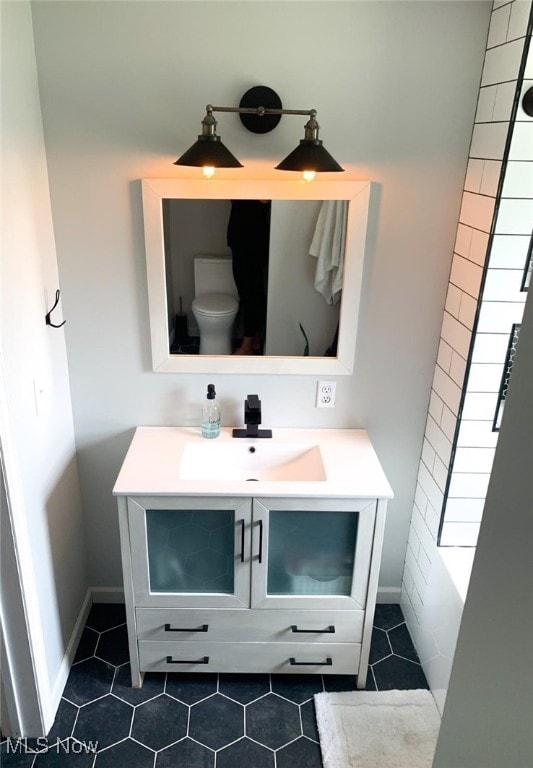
x=213 y=274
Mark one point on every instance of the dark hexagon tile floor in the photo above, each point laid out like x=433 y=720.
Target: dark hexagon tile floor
x=201 y=721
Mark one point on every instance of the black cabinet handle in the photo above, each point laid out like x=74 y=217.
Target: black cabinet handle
x=242 y=540
x=294 y=663
x=260 y=556
x=328 y=631
x=203 y=628
x=203 y=660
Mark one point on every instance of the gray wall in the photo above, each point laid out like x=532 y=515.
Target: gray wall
x=123 y=88
x=37 y=439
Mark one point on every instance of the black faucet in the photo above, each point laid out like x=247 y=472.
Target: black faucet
x=252 y=419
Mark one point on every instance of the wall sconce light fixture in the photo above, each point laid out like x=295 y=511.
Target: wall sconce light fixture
x=527 y=102
x=260 y=110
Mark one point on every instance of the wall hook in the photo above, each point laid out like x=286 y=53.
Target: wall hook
x=47 y=316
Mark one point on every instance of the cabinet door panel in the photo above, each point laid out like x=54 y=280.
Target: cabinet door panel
x=311 y=553
x=189 y=551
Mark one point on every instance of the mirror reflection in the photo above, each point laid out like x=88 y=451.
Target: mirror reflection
x=253 y=277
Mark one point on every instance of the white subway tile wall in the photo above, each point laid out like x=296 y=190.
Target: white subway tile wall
x=499 y=316
x=459 y=534
x=484 y=298
x=503 y=104
x=484 y=377
x=488 y=140
x=438 y=440
x=466 y=485
x=447 y=389
x=521 y=148
x=474 y=175
x=464 y=510
x=479 y=406
x=518 y=179
x=519 y=20
x=502 y=63
x=499 y=26
x=440 y=473
x=503 y=285
x=508 y=251
x=490 y=347
x=458 y=368
x=477 y=211
x=448 y=422
x=465 y=274
x=467 y=310
x=515 y=216
x=478 y=246
x=455 y=333
x=473 y=460
x=491 y=177
x=476 y=434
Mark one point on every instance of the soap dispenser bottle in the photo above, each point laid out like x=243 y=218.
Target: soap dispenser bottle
x=211 y=414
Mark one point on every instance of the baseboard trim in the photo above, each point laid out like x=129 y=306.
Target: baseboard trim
x=93 y=595
x=107 y=594
x=389 y=595
x=68 y=658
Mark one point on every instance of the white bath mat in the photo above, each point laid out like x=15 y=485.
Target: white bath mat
x=385 y=729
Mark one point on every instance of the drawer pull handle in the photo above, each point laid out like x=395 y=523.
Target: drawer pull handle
x=294 y=663
x=242 y=540
x=203 y=660
x=328 y=631
x=203 y=628
x=260 y=555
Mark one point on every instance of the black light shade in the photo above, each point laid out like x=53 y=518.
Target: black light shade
x=208 y=150
x=309 y=155
x=527 y=102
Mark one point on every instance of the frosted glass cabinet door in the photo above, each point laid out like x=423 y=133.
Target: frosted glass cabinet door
x=190 y=548
x=312 y=553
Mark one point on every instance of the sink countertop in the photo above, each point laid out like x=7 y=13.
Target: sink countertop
x=152 y=465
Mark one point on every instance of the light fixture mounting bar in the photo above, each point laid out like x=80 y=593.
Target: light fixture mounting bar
x=261 y=111
x=311 y=127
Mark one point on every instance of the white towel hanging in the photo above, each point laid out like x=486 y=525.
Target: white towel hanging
x=327 y=246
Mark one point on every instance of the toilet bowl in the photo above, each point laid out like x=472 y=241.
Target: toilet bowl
x=215 y=305
x=215 y=314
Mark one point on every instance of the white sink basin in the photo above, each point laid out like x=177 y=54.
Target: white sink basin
x=264 y=460
x=333 y=463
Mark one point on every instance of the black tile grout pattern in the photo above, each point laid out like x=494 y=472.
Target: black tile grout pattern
x=197 y=720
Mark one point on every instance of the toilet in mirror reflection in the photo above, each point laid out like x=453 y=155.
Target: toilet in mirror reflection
x=215 y=305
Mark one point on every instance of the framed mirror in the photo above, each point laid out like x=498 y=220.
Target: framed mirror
x=311 y=327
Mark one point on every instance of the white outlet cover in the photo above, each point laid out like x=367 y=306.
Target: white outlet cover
x=325 y=394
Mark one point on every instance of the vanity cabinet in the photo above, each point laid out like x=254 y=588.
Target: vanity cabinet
x=283 y=581
x=230 y=584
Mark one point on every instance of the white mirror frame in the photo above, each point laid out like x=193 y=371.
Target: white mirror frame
x=154 y=191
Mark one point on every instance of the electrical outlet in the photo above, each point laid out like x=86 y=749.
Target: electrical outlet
x=325 y=394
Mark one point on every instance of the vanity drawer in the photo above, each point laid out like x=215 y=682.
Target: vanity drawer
x=291 y=626
x=301 y=658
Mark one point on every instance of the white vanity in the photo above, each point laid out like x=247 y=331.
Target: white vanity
x=251 y=555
